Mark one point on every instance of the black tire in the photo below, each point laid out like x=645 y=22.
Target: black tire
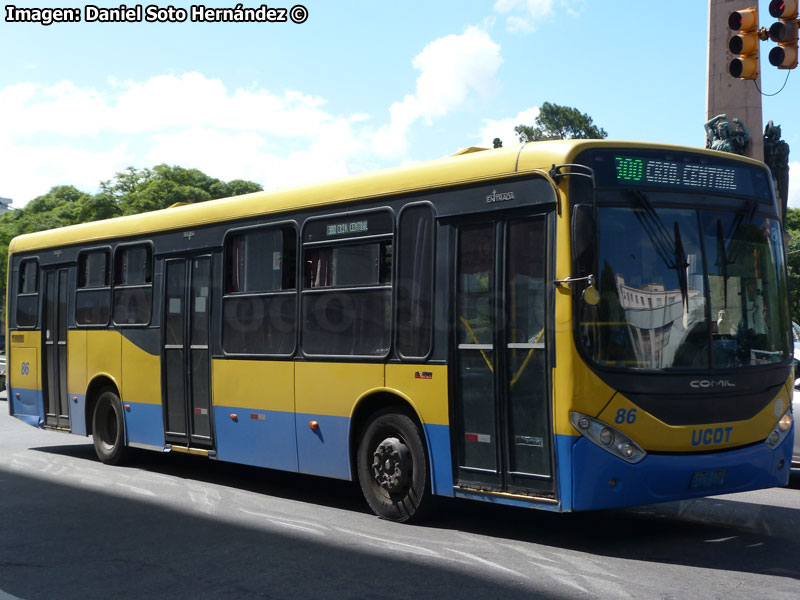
x=108 y=428
x=393 y=467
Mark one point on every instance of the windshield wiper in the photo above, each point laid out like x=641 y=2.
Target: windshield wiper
x=671 y=252
x=722 y=261
x=655 y=229
x=744 y=216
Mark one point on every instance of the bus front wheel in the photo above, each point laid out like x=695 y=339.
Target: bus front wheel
x=393 y=468
x=108 y=428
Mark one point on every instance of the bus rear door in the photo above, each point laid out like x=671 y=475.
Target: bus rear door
x=186 y=353
x=54 y=341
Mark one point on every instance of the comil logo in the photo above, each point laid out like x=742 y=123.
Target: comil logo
x=496 y=196
x=711 y=383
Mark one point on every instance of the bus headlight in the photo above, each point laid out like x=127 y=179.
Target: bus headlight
x=781 y=430
x=606 y=437
x=785 y=424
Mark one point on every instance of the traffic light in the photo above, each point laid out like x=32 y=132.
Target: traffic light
x=784 y=55
x=744 y=43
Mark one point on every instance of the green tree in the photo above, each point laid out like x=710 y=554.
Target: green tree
x=793 y=260
x=235 y=187
x=557 y=122
x=130 y=191
x=793 y=219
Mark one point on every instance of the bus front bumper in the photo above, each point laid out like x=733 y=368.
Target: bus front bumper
x=601 y=480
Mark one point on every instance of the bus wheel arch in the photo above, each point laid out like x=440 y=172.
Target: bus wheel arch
x=105 y=421
x=390 y=453
x=96 y=386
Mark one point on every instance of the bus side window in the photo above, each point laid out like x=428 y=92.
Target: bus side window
x=259 y=305
x=93 y=296
x=133 y=285
x=28 y=293
x=415 y=281
x=347 y=285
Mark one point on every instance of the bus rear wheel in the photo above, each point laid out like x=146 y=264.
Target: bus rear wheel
x=393 y=468
x=108 y=428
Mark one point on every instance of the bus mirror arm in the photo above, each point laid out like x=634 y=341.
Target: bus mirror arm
x=568 y=281
x=556 y=172
x=576 y=170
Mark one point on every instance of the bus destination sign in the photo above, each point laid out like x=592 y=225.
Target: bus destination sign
x=634 y=170
x=347 y=228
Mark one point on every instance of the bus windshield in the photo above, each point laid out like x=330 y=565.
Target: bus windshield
x=685 y=288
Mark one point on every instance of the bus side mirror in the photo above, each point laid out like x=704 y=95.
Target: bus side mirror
x=584 y=244
x=592 y=297
x=584 y=239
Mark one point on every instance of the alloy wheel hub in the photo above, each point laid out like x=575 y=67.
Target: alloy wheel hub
x=391 y=465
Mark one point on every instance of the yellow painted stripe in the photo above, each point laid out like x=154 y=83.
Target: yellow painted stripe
x=462 y=169
x=428 y=396
x=23 y=368
x=256 y=384
x=657 y=436
x=104 y=355
x=333 y=388
x=76 y=362
x=140 y=375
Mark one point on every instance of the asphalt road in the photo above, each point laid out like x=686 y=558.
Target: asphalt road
x=173 y=526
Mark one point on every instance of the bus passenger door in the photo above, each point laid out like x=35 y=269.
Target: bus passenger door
x=54 y=336
x=502 y=408
x=186 y=354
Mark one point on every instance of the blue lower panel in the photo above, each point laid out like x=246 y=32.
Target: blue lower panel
x=26 y=405
x=441 y=459
x=325 y=450
x=261 y=438
x=144 y=424
x=659 y=478
x=77 y=414
x=564 y=444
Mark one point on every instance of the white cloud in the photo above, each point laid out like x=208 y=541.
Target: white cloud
x=504 y=128
x=248 y=155
x=162 y=102
x=31 y=171
x=524 y=15
x=62 y=109
x=67 y=134
x=450 y=69
x=189 y=120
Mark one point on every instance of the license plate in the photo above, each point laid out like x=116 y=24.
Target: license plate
x=708 y=479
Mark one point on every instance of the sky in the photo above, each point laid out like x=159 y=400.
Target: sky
x=356 y=86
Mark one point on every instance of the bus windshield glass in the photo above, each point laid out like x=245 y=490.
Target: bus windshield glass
x=684 y=284
x=685 y=288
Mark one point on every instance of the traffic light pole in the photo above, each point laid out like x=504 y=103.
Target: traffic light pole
x=724 y=94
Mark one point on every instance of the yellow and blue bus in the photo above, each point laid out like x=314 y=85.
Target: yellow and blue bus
x=565 y=325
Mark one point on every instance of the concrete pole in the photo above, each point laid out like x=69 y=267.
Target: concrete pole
x=724 y=94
